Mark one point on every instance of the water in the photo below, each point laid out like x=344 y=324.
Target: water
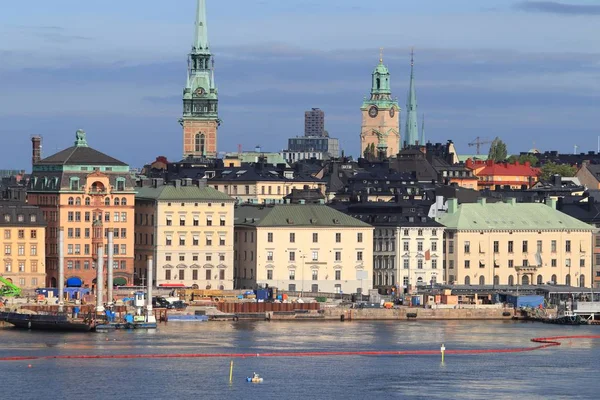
x=565 y=372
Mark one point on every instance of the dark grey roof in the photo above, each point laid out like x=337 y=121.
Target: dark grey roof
x=80 y=155
x=398 y=214
x=10 y=212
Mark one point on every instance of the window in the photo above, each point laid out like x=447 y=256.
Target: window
x=496 y=246
x=195 y=241
x=420 y=264
x=467 y=264
x=525 y=247
x=169 y=241
x=553 y=262
x=70 y=216
x=270 y=274
x=208 y=221
x=181 y=274
x=269 y=256
x=292 y=237
x=315 y=275
x=292 y=275
x=450 y=264
x=200 y=144
x=338 y=256
x=434 y=232
x=117 y=201
x=292 y=256
x=124 y=233
x=467 y=247
x=123 y=249
x=8 y=266
x=420 y=232
x=169 y=221
x=71 y=201
x=70 y=232
x=123 y=217
x=34 y=266
x=116 y=217
x=359 y=237
x=338 y=238
x=87 y=232
x=315 y=237
x=582 y=263
x=433 y=246
x=434 y=263
x=270 y=237
x=33 y=250
x=88 y=201
x=7 y=234
x=568 y=246
x=406 y=232
x=196 y=220
x=21 y=250
x=168 y=257
x=168 y=275
x=451 y=247
x=419 y=246
x=315 y=255
x=182 y=240
x=86 y=249
x=511 y=246
x=222 y=241
x=359 y=256
x=21 y=266
x=539 y=246
x=194 y=274
x=209 y=240
x=406 y=263
x=525 y=263
x=69 y=264
x=181 y=221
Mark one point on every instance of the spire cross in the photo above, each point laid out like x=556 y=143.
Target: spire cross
x=412 y=56
x=381 y=54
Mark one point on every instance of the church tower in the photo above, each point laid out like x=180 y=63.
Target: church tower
x=200 y=120
x=380 y=132
x=412 y=129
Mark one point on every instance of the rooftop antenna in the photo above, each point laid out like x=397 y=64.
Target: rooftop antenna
x=599 y=144
x=381 y=55
x=575 y=149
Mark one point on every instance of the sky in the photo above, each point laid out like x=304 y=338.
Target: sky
x=525 y=71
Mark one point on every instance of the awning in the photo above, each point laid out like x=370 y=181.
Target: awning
x=74 y=282
x=171 y=285
x=119 y=281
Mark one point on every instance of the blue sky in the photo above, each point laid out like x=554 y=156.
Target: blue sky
x=527 y=71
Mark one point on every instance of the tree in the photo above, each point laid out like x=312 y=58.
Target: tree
x=550 y=169
x=523 y=158
x=498 y=150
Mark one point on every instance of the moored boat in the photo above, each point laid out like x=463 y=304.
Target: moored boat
x=46 y=322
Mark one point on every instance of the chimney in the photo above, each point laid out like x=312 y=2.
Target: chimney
x=36 y=142
x=557 y=179
x=482 y=201
x=452 y=206
x=551 y=203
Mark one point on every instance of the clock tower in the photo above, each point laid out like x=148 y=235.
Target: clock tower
x=200 y=120
x=380 y=132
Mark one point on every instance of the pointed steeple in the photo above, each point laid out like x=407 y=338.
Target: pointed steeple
x=422 y=140
x=412 y=127
x=201 y=36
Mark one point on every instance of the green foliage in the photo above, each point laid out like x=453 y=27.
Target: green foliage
x=550 y=169
x=498 y=150
x=523 y=158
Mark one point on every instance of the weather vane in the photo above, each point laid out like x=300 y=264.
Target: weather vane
x=381 y=54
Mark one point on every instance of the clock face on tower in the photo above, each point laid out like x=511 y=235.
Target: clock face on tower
x=373 y=111
x=392 y=112
x=199 y=92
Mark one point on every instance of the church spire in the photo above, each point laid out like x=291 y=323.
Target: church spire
x=201 y=37
x=412 y=127
x=422 y=141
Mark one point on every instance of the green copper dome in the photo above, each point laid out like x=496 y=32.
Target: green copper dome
x=381 y=69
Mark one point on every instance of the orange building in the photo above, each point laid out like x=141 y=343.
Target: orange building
x=87 y=193
x=492 y=175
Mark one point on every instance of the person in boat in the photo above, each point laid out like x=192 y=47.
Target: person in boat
x=255 y=375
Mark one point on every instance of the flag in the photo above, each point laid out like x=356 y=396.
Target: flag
x=427 y=255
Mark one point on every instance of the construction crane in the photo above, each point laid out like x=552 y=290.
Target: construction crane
x=478 y=142
x=9 y=289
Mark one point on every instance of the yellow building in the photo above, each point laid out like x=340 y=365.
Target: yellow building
x=304 y=248
x=23 y=245
x=515 y=243
x=189 y=232
x=87 y=193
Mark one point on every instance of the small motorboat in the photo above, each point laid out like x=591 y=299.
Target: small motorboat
x=254 y=379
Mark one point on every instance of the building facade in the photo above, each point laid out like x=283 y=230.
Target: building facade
x=188 y=230
x=380 y=130
x=492 y=175
x=200 y=120
x=515 y=244
x=23 y=245
x=314 y=123
x=328 y=147
x=87 y=193
x=302 y=248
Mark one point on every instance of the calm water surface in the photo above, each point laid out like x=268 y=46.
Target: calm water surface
x=570 y=371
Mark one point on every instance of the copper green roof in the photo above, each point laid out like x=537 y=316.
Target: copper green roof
x=508 y=216
x=181 y=193
x=287 y=215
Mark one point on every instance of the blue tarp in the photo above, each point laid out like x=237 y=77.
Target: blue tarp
x=525 y=301
x=74 y=282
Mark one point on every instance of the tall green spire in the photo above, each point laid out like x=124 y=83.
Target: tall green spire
x=422 y=140
x=200 y=95
x=412 y=125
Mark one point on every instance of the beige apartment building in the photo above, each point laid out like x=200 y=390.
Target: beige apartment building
x=189 y=232
x=303 y=248
x=515 y=244
x=23 y=245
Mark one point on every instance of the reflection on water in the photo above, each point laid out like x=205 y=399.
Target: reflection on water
x=561 y=372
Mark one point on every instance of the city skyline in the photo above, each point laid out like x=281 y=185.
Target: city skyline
x=475 y=74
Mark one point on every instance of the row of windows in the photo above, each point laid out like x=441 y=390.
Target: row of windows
x=20 y=234
x=314 y=274
x=88 y=201
x=118 y=233
x=75 y=216
x=77 y=264
x=195 y=241
x=511 y=246
x=33 y=250
x=169 y=257
x=292 y=237
x=20 y=218
x=76 y=249
x=388 y=280
x=208 y=275
x=314 y=254
x=23 y=281
x=420 y=264
x=524 y=280
x=524 y=263
x=21 y=266
x=406 y=246
x=196 y=221
x=406 y=232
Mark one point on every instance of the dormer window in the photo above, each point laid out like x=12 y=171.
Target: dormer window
x=6 y=217
x=20 y=218
x=121 y=185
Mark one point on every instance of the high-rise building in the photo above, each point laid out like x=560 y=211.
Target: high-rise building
x=380 y=131
x=314 y=123
x=200 y=97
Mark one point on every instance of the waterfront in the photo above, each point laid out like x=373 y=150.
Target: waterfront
x=561 y=372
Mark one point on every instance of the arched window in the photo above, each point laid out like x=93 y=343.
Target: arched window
x=116 y=201
x=525 y=280
x=123 y=201
x=200 y=143
x=107 y=201
x=78 y=201
x=582 y=281
x=71 y=200
x=568 y=280
x=378 y=83
x=467 y=280
x=496 y=280
x=540 y=280
x=511 y=280
x=554 y=279
x=87 y=201
x=481 y=280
